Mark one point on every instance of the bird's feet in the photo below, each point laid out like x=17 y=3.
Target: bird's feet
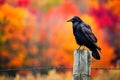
x=78 y=47
x=82 y=48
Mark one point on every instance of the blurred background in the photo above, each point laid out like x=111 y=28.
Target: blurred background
x=34 y=33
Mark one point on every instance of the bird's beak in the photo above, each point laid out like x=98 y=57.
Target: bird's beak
x=70 y=20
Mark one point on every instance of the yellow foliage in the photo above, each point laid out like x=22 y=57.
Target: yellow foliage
x=93 y=3
x=45 y=3
x=1 y=16
x=18 y=19
x=19 y=26
x=15 y=16
x=114 y=5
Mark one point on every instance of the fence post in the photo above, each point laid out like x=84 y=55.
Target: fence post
x=81 y=67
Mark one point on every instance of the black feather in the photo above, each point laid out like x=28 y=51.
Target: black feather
x=84 y=36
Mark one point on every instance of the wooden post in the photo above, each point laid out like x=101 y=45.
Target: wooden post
x=81 y=67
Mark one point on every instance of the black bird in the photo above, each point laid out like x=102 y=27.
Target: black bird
x=84 y=36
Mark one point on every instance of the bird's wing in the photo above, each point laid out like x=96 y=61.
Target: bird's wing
x=88 y=32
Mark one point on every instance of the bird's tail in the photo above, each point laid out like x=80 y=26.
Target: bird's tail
x=95 y=54
x=98 y=48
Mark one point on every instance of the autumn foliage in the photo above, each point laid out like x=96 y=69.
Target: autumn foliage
x=38 y=35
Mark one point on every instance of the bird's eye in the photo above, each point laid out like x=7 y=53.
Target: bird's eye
x=73 y=18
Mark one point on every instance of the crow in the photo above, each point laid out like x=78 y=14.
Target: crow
x=84 y=36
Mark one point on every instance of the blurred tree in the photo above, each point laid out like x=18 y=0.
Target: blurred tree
x=114 y=6
x=46 y=4
x=15 y=30
x=108 y=21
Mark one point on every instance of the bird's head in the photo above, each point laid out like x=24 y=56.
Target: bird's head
x=75 y=19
